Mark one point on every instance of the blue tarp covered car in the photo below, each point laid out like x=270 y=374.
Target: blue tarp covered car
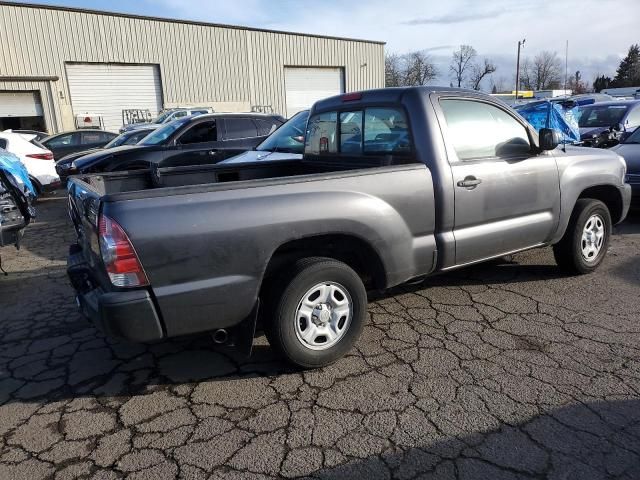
x=12 y=165
x=16 y=195
x=560 y=116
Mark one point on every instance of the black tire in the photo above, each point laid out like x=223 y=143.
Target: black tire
x=287 y=295
x=568 y=252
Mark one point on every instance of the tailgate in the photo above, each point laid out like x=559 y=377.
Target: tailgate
x=84 y=208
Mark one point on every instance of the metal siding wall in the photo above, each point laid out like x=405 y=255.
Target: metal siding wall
x=224 y=64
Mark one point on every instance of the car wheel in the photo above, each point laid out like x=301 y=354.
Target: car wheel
x=586 y=240
x=318 y=314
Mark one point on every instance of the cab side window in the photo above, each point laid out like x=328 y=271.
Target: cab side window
x=200 y=133
x=63 y=140
x=92 y=137
x=240 y=128
x=266 y=127
x=481 y=130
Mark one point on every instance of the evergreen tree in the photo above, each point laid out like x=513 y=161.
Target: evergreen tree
x=628 y=73
x=601 y=82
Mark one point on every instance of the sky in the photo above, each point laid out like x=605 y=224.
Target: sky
x=599 y=32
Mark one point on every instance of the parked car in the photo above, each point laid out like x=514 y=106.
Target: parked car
x=63 y=144
x=605 y=124
x=630 y=150
x=195 y=140
x=167 y=116
x=64 y=165
x=37 y=135
x=16 y=195
x=287 y=142
x=443 y=178
x=37 y=159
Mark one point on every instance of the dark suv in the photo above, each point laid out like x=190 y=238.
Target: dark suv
x=193 y=140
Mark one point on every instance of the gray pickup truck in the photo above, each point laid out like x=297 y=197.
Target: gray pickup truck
x=395 y=185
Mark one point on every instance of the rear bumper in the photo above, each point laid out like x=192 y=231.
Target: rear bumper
x=130 y=315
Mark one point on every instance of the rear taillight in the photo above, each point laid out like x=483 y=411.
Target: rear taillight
x=41 y=156
x=118 y=255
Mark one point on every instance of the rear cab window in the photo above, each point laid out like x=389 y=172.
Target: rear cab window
x=365 y=132
x=362 y=132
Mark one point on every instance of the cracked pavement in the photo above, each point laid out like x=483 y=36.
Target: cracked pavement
x=505 y=370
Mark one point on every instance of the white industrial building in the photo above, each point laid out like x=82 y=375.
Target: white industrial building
x=57 y=64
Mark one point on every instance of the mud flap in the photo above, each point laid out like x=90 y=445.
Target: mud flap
x=245 y=331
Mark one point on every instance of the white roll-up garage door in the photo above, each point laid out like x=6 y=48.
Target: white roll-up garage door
x=20 y=104
x=305 y=86
x=107 y=89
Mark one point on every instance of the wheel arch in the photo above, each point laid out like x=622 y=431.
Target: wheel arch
x=609 y=195
x=350 y=249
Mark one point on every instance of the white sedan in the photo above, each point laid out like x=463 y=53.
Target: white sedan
x=38 y=160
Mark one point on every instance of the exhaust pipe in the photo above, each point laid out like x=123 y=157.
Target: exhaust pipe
x=220 y=336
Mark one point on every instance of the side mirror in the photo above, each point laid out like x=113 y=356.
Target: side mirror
x=549 y=139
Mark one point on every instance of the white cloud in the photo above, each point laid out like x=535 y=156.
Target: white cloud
x=599 y=33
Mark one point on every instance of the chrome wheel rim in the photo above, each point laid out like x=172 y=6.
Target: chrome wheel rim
x=592 y=238
x=323 y=316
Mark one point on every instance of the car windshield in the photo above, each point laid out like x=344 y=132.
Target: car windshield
x=289 y=138
x=161 y=134
x=116 y=142
x=602 y=115
x=634 y=137
x=162 y=117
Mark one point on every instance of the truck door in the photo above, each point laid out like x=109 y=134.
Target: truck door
x=506 y=195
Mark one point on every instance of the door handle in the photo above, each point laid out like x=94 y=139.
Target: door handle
x=470 y=182
x=213 y=153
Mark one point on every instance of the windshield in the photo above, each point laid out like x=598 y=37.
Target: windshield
x=289 y=138
x=162 y=117
x=634 y=137
x=116 y=142
x=164 y=132
x=602 y=115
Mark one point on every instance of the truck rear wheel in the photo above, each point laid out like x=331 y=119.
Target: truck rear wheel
x=319 y=312
x=586 y=240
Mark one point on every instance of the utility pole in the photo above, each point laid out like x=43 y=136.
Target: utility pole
x=566 y=66
x=520 y=44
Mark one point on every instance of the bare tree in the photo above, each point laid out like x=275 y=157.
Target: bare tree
x=543 y=73
x=478 y=72
x=576 y=84
x=411 y=69
x=461 y=62
x=499 y=84
x=526 y=75
x=419 y=70
x=392 y=70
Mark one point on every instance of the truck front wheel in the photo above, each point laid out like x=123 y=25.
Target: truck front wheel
x=586 y=240
x=318 y=313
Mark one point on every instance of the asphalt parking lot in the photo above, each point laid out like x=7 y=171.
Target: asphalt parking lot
x=507 y=370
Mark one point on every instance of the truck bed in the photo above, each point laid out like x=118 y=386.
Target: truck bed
x=153 y=182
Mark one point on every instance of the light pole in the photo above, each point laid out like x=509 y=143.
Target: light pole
x=520 y=44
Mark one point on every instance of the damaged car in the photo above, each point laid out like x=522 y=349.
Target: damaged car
x=16 y=195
